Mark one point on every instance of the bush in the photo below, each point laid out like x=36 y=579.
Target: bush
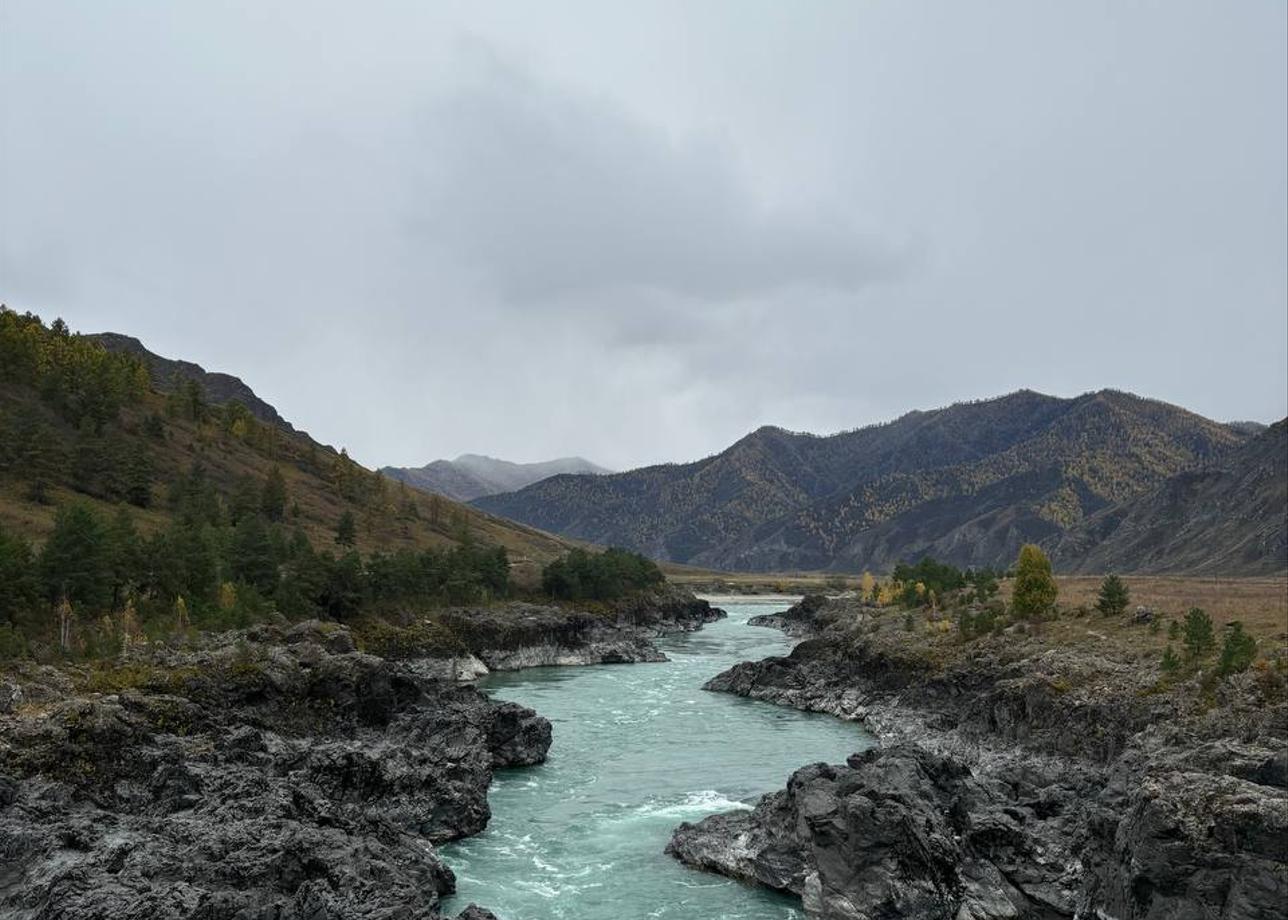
x=1170 y=663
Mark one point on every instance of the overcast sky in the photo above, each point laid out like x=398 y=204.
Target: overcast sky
x=637 y=231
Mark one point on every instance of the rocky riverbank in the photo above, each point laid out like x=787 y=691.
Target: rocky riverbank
x=278 y=771
x=1016 y=778
x=466 y=643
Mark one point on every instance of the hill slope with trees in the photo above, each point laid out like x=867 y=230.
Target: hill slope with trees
x=1230 y=517
x=968 y=484
x=115 y=492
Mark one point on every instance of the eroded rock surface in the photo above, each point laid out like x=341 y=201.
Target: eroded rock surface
x=268 y=773
x=1052 y=784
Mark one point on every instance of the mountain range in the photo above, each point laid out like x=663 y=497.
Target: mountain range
x=472 y=476
x=966 y=484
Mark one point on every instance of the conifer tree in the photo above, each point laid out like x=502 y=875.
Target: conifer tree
x=74 y=563
x=273 y=499
x=346 y=531
x=1198 y=635
x=1237 y=652
x=19 y=588
x=1035 y=589
x=1114 y=598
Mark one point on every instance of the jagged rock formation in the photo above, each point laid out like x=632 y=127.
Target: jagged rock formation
x=267 y=773
x=472 y=476
x=967 y=484
x=1020 y=781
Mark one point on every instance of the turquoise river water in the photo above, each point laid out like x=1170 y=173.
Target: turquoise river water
x=638 y=749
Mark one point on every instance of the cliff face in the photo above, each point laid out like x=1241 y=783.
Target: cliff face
x=1020 y=781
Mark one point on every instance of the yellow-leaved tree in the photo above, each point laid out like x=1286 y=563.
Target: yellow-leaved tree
x=1035 y=591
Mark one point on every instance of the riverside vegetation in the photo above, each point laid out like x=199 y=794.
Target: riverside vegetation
x=230 y=657
x=1036 y=760
x=231 y=666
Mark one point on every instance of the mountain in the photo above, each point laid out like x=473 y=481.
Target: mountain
x=167 y=374
x=472 y=476
x=1231 y=517
x=85 y=418
x=968 y=484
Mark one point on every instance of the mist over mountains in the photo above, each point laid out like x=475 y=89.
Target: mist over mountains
x=472 y=476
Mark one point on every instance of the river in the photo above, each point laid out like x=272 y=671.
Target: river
x=638 y=749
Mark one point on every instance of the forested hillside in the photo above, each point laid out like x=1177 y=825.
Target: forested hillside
x=115 y=493
x=968 y=484
x=1229 y=517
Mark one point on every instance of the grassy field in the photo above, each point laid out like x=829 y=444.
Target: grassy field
x=1261 y=604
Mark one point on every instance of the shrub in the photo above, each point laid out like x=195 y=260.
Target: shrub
x=1170 y=663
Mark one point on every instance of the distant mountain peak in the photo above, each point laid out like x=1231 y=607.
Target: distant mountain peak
x=472 y=476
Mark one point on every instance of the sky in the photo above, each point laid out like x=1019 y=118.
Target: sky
x=637 y=231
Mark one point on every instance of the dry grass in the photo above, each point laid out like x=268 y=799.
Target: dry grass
x=1261 y=604
x=729 y=583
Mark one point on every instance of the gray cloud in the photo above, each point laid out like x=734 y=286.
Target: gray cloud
x=547 y=193
x=636 y=232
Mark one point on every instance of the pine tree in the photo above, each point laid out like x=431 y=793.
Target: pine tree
x=273 y=499
x=1199 y=638
x=19 y=587
x=74 y=564
x=1035 y=589
x=346 y=531
x=1237 y=652
x=1170 y=663
x=1114 y=598
x=252 y=555
x=123 y=550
